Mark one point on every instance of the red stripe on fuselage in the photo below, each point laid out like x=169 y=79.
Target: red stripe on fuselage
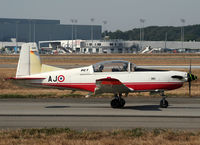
x=144 y=86
x=154 y=86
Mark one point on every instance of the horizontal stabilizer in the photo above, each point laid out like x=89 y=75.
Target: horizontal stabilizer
x=28 y=78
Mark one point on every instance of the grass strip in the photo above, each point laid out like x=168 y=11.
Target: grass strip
x=66 y=135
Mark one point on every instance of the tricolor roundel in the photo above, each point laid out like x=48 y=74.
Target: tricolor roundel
x=61 y=78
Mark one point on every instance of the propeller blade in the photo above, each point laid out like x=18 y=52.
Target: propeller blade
x=191 y=78
x=190 y=88
x=189 y=84
x=190 y=70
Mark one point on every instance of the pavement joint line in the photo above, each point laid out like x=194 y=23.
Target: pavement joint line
x=86 y=115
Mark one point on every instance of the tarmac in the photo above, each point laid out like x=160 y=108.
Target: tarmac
x=96 y=113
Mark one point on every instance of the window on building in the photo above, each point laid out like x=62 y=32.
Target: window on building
x=120 y=44
x=120 y=50
x=78 y=49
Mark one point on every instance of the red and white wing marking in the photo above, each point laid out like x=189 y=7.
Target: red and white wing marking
x=110 y=85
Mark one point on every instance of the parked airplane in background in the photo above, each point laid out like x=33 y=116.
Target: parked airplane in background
x=117 y=77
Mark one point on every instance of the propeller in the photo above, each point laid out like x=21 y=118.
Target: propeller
x=190 y=84
x=191 y=78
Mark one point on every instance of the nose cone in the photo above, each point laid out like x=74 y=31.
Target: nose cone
x=191 y=77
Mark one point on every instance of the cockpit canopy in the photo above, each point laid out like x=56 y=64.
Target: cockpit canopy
x=114 y=66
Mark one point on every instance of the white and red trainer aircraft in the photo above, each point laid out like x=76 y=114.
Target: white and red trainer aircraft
x=117 y=77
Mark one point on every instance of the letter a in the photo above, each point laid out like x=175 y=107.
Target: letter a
x=50 y=79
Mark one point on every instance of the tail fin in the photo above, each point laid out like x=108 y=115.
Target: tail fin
x=29 y=60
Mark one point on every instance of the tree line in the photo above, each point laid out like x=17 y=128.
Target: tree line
x=157 y=33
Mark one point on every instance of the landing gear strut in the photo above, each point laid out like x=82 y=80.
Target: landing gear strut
x=118 y=102
x=163 y=102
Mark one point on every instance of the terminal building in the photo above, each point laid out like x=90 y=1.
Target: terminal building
x=35 y=30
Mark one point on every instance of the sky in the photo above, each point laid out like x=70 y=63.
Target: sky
x=120 y=14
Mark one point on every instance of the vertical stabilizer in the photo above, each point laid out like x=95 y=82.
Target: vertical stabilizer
x=29 y=61
x=35 y=63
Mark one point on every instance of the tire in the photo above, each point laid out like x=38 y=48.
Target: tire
x=164 y=104
x=122 y=103
x=116 y=103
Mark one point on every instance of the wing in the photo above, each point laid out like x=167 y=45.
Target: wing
x=110 y=85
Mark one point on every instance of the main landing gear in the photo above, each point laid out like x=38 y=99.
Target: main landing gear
x=118 y=102
x=163 y=102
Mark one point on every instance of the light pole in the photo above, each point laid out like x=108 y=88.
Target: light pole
x=105 y=22
x=182 y=32
x=142 y=21
x=34 y=31
x=16 y=34
x=72 y=20
x=75 y=28
x=165 y=40
x=29 y=30
x=92 y=35
x=75 y=31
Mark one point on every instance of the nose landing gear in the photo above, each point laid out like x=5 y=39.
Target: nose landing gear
x=163 y=103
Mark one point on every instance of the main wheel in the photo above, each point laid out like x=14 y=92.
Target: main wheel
x=163 y=104
x=117 y=103
x=122 y=102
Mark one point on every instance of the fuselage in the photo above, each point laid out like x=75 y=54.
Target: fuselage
x=85 y=79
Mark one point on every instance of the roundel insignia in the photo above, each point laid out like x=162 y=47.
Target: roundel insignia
x=61 y=78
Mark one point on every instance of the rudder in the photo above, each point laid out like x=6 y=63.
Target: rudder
x=29 y=60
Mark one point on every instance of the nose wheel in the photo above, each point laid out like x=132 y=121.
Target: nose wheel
x=118 y=102
x=163 y=103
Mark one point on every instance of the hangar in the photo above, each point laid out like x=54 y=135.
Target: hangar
x=34 y=30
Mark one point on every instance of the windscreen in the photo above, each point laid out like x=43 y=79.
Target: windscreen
x=111 y=66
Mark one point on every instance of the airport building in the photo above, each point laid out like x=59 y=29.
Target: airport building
x=88 y=46
x=119 y=46
x=34 y=30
